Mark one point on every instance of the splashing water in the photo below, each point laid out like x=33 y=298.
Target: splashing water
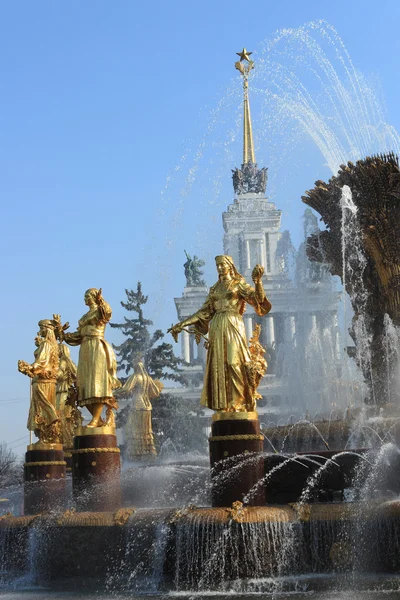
x=342 y=115
x=354 y=263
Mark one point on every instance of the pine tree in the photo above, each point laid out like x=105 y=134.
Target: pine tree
x=159 y=358
x=179 y=420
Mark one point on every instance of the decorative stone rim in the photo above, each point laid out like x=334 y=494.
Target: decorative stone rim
x=235 y=416
x=41 y=446
x=44 y=463
x=95 y=450
x=229 y=438
x=104 y=430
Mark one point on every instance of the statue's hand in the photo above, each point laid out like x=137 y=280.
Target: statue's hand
x=175 y=330
x=59 y=329
x=24 y=367
x=257 y=273
x=99 y=296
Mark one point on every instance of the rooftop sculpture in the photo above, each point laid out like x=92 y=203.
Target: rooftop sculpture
x=192 y=271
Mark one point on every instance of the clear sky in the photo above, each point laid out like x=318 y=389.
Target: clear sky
x=119 y=124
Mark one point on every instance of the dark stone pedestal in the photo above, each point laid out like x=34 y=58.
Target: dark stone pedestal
x=44 y=478
x=237 y=464
x=96 y=469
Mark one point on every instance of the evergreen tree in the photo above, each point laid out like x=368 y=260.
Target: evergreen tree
x=159 y=358
x=179 y=420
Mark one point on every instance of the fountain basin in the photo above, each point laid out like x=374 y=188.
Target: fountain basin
x=199 y=548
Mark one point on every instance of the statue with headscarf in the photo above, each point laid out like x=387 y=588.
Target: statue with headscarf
x=140 y=388
x=96 y=377
x=229 y=378
x=43 y=418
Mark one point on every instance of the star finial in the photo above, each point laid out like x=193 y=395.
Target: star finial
x=244 y=55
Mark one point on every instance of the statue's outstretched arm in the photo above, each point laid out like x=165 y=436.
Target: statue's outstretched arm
x=127 y=389
x=73 y=339
x=41 y=363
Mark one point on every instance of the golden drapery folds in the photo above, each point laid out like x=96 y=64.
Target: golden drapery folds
x=43 y=419
x=228 y=378
x=97 y=365
x=140 y=388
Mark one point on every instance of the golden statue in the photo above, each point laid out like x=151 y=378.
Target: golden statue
x=43 y=419
x=229 y=378
x=67 y=396
x=97 y=367
x=141 y=388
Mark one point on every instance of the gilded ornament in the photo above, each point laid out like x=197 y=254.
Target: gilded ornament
x=244 y=55
x=237 y=512
x=121 y=517
x=303 y=511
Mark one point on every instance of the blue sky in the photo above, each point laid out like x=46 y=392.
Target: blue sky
x=119 y=124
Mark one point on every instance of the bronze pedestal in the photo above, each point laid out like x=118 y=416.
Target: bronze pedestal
x=44 y=478
x=236 y=447
x=96 y=469
x=68 y=459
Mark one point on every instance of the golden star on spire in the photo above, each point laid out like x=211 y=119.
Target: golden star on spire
x=244 y=55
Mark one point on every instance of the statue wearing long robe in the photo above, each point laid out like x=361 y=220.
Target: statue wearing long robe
x=138 y=431
x=43 y=418
x=97 y=366
x=228 y=384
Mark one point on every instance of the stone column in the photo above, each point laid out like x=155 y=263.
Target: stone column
x=312 y=321
x=191 y=348
x=201 y=352
x=292 y=326
x=336 y=337
x=185 y=346
x=248 y=257
x=270 y=329
x=248 y=324
x=262 y=253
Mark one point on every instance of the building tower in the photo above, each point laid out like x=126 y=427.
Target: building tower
x=252 y=223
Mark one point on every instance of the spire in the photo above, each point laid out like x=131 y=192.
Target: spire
x=248 y=179
x=248 y=145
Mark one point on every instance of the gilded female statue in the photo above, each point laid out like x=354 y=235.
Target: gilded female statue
x=229 y=372
x=66 y=396
x=97 y=367
x=141 y=388
x=43 y=419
